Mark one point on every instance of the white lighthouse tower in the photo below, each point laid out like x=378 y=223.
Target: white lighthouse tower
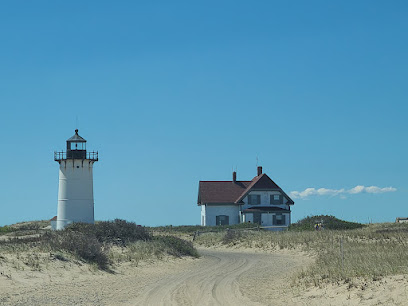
x=75 y=192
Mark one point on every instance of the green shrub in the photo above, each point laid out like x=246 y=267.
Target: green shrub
x=84 y=246
x=92 y=243
x=5 y=229
x=119 y=232
x=329 y=222
x=178 y=247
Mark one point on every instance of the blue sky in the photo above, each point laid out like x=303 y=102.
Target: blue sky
x=171 y=93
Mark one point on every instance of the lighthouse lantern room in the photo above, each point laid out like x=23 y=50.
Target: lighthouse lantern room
x=75 y=191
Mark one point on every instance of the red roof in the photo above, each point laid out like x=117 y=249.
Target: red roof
x=54 y=218
x=230 y=192
x=220 y=191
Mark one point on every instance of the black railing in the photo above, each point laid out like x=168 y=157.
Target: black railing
x=92 y=155
x=62 y=155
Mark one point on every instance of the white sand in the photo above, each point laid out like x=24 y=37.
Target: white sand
x=219 y=277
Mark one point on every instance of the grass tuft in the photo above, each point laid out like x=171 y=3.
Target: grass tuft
x=232 y=236
x=177 y=247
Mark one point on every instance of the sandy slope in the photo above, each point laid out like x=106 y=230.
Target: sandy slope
x=219 y=277
x=214 y=279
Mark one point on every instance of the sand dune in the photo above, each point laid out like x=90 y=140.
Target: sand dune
x=219 y=277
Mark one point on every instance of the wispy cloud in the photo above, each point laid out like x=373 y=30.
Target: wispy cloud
x=309 y=192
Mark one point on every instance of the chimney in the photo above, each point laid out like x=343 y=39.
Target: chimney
x=259 y=170
x=234 y=177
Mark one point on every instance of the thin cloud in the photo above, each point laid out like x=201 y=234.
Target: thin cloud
x=309 y=192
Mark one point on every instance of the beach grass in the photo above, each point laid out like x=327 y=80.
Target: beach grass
x=372 y=251
x=101 y=244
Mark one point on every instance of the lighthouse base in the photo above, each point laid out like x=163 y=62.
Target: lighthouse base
x=71 y=211
x=75 y=193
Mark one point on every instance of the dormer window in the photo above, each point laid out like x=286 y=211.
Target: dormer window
x=254 y=199
x=276 y=199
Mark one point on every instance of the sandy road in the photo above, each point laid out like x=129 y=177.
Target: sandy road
x=219 y=277
x=223 y=278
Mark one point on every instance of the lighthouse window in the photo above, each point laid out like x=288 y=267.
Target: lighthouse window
x=77 y=146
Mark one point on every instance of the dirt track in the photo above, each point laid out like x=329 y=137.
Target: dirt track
x=219 y=277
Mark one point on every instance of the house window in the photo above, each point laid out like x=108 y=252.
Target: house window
x=276 y=199
x=279 y=219
x=254 y=199
x=222 y=220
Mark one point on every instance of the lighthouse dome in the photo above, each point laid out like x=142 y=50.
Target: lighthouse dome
x=76 y=138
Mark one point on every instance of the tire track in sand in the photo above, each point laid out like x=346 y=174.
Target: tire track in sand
x=219 y=277
x=213 y=280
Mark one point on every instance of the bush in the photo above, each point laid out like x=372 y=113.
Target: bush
x=5 y=229
x=86 y=240
x=178 y=247
x=119 y=232
x=329 y=222
x=84 y=246
x=92 y=242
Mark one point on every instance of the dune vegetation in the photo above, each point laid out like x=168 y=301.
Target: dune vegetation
x=328 y=222
x=5 y=229
x=364 y=251
x=342 y=250
x=104 y=244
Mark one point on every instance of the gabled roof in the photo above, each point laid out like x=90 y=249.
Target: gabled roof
x=263 y=182
x=230 y=192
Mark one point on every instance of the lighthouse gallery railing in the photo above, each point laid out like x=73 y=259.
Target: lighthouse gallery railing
x=62 y=155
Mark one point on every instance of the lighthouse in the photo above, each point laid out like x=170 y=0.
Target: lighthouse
x=75 y=191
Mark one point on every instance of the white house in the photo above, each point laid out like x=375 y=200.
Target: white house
x=260 y=201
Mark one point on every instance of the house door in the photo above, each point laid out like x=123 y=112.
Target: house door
x=257 y=217
x=266 y=219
